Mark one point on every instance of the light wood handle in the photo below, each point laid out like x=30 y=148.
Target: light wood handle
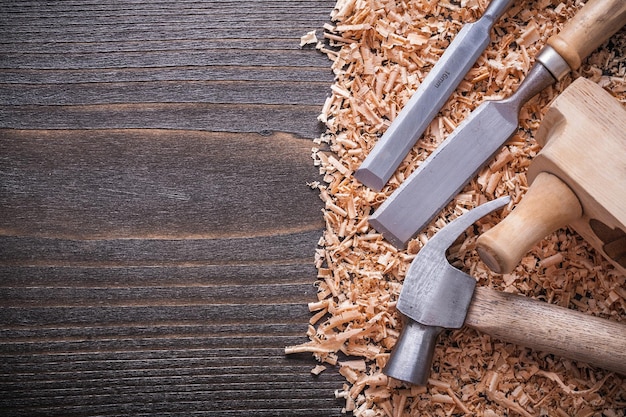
x=548 y=205
x=549 y=328
x=596 y=22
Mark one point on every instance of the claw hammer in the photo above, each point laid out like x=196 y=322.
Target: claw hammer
x=435 y=295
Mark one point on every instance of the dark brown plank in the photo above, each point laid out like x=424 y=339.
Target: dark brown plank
x=157 y=234
x=148 y=59
x=221 y=92
x=240 y=118
x=156 y=184
x=213 y=73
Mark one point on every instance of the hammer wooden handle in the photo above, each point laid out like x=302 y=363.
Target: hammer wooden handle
x=549 y=328
x=592 y=26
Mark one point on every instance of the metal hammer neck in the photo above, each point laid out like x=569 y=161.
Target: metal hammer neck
x=411 y=358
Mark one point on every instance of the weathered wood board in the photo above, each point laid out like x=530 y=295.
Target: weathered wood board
x=157 y=232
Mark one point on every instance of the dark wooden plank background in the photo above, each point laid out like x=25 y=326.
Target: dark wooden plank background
x=157 y=233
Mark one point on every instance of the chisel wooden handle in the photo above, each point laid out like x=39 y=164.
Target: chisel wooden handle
x=596 y=22
x=549 y=328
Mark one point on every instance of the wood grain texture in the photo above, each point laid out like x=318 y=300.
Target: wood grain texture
x=157 y=232
x=591 y=27
x=548 y=328
x=155 y=184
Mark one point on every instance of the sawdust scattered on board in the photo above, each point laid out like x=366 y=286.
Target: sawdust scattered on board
x=380 y=51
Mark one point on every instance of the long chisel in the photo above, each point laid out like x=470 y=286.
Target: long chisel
x=429 y=98
x=459 y=157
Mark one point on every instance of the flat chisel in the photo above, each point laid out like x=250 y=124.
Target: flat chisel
x=431 y=95
x=461 y=155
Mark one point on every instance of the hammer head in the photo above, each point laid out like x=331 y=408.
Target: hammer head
x=434 y=296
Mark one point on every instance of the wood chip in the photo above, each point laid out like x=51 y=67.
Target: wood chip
x=309 y=38
x=318 y=369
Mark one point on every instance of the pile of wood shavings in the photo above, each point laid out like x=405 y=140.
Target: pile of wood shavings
x=381 y=50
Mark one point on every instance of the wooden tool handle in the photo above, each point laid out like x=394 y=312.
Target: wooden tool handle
x=548 y=205
x=549 y=328
x=596 y=22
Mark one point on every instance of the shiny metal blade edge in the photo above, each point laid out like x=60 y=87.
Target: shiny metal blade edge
x=446 y=171
x=423 y=106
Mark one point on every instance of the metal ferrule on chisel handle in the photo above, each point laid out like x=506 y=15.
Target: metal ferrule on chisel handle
x=553 y=62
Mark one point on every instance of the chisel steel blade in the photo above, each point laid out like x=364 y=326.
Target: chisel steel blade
x=431 y=95
x=455 y=161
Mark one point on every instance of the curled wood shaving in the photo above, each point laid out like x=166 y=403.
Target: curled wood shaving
x=554 y=377
x=309 y=38
x=318 y=369
x=381 y=50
